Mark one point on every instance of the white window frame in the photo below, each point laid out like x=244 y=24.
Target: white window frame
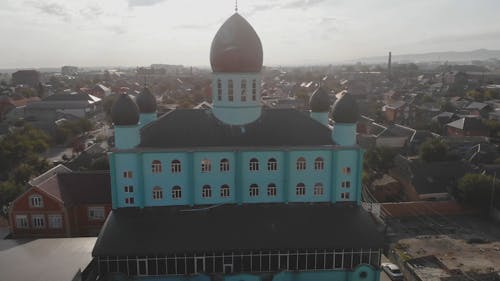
x=130 y=200
x=230 y=90
x=206 y=166
x=128 y=174
x=55 y=221
x=346 y=170
x=318 y=189
x=253 y=164
x=128 y=189
x=38 y=221
x=176 y=192
x=96 y=213
x=224 y=165
x=243 y=96
x=345 y=195
x=319 y=163
x=301 y=164
x=225 y=191
x=345 y=184
x=175 y=166
x=156 y=167
x=22 y=221
x=157 y=193
x=254 y=89
x=300 y=189
x=36 y=201
x=254 y=190
x=272 y=164
x=206 y=191
x=272 y=190
x=219 y=89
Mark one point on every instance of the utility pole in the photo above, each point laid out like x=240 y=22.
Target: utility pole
x=492 y=199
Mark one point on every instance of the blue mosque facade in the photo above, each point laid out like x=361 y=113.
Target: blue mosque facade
x=237 y=192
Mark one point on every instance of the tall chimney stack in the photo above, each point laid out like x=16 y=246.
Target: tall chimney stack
x=389 y=65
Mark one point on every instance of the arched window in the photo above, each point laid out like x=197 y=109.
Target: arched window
x=254 y=190
x=157 y=193
x=318 y=190
x=271 y=190
x=300 y=189
x=206 y=191
x=36 y=201
x=301 y=163
x=272 y=164
x=230 y=92
x=224 y=165
x=224 y=191
x=156 y=166
x=206 y=166
x=175 y=166
x=219 y=89
x=243 y=90
x=254 y=89
x=254 y=164
x=176 y=192
x=319 y=164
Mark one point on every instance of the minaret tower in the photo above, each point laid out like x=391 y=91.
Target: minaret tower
x=345 y=115
x=125 y=116
x=147 y=107
x=319 y=103
x=236 y=60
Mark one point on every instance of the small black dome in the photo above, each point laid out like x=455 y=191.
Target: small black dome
x=236 y=47
x=124 y=111
x=319 y=101
x=345 y=109
x=146 y=101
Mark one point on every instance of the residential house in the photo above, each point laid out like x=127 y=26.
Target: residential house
x=61 y=203
x=467 y=126
x=427 y=180
x=100 y=91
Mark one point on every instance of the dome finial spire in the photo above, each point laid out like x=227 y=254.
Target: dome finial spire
x=235 y=6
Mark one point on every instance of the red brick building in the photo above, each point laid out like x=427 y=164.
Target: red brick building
x=62 y=205
x=467 y=126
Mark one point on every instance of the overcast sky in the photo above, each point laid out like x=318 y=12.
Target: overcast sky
x=52 y=33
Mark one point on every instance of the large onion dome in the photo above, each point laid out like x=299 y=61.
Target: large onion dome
x=146 y=101
x=319 y=101
x=236 y=47
x=124 y=111
x=345 y=109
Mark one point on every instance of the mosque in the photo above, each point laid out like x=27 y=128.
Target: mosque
x=237 y=192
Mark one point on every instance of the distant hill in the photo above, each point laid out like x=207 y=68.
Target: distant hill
x=466 y=56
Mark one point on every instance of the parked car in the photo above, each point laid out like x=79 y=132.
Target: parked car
x=392 y=271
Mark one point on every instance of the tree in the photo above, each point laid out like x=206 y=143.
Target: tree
x=475 y=190
x=434 y=150
x=377 y=162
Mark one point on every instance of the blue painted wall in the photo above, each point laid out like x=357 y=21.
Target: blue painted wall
x=321 y=117
x=191 y=179
x=145 y=118
x=127 y=136
x=344 y=134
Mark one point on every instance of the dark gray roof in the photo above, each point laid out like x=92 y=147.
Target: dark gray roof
x=236 y=47
x=167 y=230
x=146 y=101
x=468 y=124
x=433 y=177
x=200 y=128
x=345 y=109
x=124 y=111
x=319 y=101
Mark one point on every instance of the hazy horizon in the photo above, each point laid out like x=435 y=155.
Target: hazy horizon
x=52 y=33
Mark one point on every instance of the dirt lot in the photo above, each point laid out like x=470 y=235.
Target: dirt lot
x=468 y=243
